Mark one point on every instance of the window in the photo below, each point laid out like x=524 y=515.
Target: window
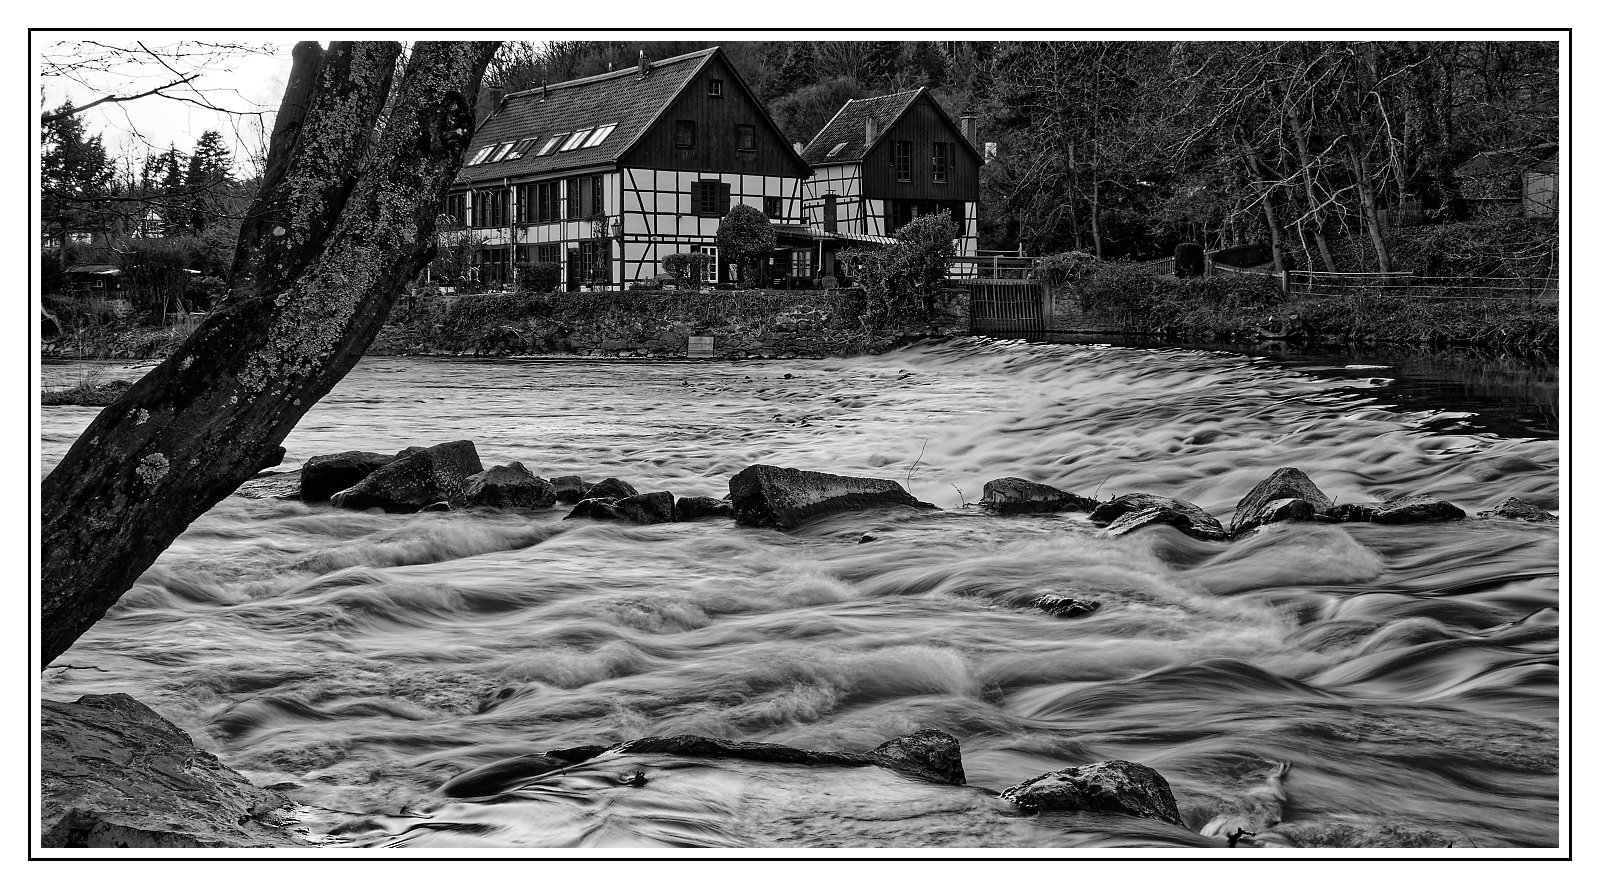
x=494 y=266
x=594 y=261
x=547 y=253
x=455 y=209
x=745 y=136
x=902 y=160
x=550 y=146
x=800 y=264
x=576 y=141
x=499 y=152
x=482 y=153
x=585 y=197
x=710 y=275
x=547 y=202
x=941 y=162
x=714 y=87
x=683 y=134
x=711 y=198
x=600 y=134
x=489 y=207
x=773 y=207
x=520 y=149
x=837 y=148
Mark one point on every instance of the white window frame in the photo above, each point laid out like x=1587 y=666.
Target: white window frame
x=575 y=141
x=500 y=152
x=478 y=158
x=550 y=146
x=710 y=275
x=599 y=135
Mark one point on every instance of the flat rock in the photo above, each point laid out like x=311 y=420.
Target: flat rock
x=271 y=486
x=777 y=497
x=1012 y=496
x=1518 y=509
x=327 y=474
x=1416 y=510
x=116 y=774
x=1065 y=606
x=1284 y=484
x=929 y=754
x=1185 y=516
x=640 y=509
x=569 y=488
x=690 y=508
x=417 y=479
x=1118 y=786
x=507 y=487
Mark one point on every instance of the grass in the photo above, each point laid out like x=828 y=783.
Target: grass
x=90 y=391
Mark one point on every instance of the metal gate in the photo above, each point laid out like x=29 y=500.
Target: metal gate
x=1009 y=306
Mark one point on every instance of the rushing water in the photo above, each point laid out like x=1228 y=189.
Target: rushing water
x=360 y=660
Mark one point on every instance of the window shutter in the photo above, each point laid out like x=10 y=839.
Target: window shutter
x=724 y=198
x=694 y=198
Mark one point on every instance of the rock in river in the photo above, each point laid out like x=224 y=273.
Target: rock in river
x=1117 y=786
x=690 y=508
x=640 y=509
x=1010 y=496
x=570 y=488
x=1416 y=510
x=116 y=774
x=1130 y=512
x=507 y=487
x=1284 y=484
x=1519 y=509
x=326 y=475
x=423 y=477
x=614 y=488
x=777 y=497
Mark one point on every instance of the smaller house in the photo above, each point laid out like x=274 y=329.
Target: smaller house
x=94 y=279
x=1521 y=181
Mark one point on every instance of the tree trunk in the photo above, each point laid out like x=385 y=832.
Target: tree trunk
x=1367 y=192
x=351 y=223
x=1313 y=195
x=1274 y=227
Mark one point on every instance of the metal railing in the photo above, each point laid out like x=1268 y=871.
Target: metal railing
x=1414 y=286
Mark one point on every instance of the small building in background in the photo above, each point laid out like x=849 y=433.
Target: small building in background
x=884 y=161
x=1522 y=181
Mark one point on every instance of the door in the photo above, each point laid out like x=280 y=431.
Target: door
x=574 y=270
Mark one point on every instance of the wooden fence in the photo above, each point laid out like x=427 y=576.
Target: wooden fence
x=1413 y=286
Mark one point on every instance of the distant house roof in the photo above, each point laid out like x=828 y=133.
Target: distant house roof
x=93 y=269
x=849 y=128
x=1497 y=174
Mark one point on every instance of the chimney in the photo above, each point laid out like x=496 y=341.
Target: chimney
x=969 y=128
x=490 y=99
x=799 y=147
x=644 y=63
x=544 y=90
x=872 y=128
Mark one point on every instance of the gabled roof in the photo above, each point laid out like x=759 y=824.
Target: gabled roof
x=849 y=127
x=618 y=97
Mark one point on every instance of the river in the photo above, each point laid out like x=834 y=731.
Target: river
x=358 y=660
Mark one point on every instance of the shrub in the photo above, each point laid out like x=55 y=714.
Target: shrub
x=687 y=269
x=52 y=276
x=155 y=276
x=203 y=290
x=902 y=279
x=1188 y=261
x=539 y=277
x=745 y=237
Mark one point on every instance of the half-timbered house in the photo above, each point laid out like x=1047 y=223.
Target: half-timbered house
x=607 y=175
x=884 y=161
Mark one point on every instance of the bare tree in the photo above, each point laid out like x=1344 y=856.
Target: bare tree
x=344 y=218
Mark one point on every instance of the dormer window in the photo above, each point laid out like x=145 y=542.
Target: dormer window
x=576 y=140
x=520 y=149
x=714 y=87
x=479 y=157
x=837 y=148
x=499 y=152
x=600 y=134
x=550 y=146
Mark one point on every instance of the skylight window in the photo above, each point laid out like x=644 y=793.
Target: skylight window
x=837 y=148
x=576 y=141
x=520 y=149
x=600 y=135
x=550 y=146
x=500 y=152
x=478 y=158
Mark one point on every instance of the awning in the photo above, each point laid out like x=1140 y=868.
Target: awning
x=815 y=232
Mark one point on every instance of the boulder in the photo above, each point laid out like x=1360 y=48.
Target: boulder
x=1416 y=510
x=1518 y=509
x=569 y=488
x=777 y=497
x=1116 y=786
x=640 y=509
x=1353 y=512
x=326 y=475
x=927 y=753
x=614 y=488
x=1180 y=514
x=416 y=480
x=507 y=487
x=1065 y=606
x=116 y=774
x=690 y=508
x=1011 y=496
x=1284 y=484
x=1289 y=509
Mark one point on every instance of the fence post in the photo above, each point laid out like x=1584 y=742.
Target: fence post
x=1283 y=281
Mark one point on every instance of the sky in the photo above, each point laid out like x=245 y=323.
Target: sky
x=245 y=85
